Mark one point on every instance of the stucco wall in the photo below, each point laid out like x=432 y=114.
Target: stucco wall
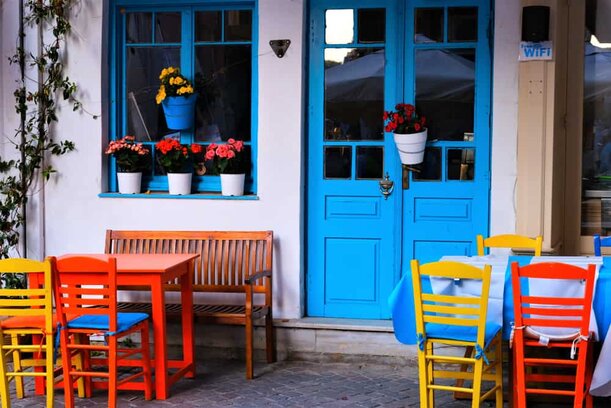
x=76 y=218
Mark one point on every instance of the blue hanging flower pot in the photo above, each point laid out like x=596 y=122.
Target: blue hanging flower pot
x=179 y=111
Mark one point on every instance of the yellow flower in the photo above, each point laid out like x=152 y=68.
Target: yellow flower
x=160 y=95
x=172 y=81
x=164 y=72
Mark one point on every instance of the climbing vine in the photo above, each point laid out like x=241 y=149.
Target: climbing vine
x=41 y=87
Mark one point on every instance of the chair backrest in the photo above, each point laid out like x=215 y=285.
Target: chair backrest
x=226 y=258
x=31 y=302
x=451 y=309
x=86 y=285
x=600 y=242
x=509 y=241
x=553 y=311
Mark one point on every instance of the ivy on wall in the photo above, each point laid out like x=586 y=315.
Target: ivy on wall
x=41 y=87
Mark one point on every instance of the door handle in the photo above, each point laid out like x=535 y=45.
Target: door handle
x=386 y=186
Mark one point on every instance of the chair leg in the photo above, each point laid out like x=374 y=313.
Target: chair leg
x=49 y=369
x=145 y=348
x=423 y=380
x=67 y=368
x=270 y=342
x=477 y=382
x=430 y=371
x=249 y=349
x=519 y=388
x=589 y=373
x=112 y=371
x=17 y=367
x=4 y=391
x=581 y=374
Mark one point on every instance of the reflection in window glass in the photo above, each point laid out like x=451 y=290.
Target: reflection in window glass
x=462 y=24
x=145 y=119
x=371 y=25
x=139 y=28
x=238 y=25
x=445 y=92
x=430 y=169
x=339 y=26
x=428 y=25
x=369 y=162
x=223 y=84
x=596 y=160
x=167 y=27
x=461 y=164
x=354 y=93
x=208 y=26
x=338 y=162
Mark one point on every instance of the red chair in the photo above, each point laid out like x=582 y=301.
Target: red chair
x=568 y=371
x=86 y=291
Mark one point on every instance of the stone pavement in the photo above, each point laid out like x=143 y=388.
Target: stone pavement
x=221 y=383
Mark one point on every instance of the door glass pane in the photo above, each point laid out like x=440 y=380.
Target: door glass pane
x=339 y=26
x=461 y=164
x=167 y=27
x=428 y=25
x=445 y=92
x=369 y=162
x=354 y=93
x=208 y=26
x=372 y=25
x=430 y=169
x=462 y=24
x=223 y=77
x=338 y=162
x=139 y=28
x=145 y=119
x=596 y=161
x=238 y=25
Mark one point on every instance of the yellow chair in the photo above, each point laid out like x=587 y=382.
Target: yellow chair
x=30 y=316
x=509 y=241
x=454 y=320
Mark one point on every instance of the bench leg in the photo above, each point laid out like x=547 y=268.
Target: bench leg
x=270 y=343
x=249 y=349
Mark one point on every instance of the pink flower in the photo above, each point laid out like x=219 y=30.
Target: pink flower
x=239 y=145
x=231 y=141
x=230 y=154
x=210 y=155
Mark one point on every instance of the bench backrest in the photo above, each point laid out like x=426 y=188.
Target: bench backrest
x=227 y=258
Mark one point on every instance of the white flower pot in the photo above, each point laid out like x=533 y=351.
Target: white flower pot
x=411 y=146
x=232 y=184
x=179 y=183
x=129 y=183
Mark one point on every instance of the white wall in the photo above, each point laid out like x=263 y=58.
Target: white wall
x=504 y=116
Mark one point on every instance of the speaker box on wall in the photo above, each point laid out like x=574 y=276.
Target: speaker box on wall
x=535 y=23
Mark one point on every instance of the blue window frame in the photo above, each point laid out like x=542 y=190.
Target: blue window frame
x=215 y=45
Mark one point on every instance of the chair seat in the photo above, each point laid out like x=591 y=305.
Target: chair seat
x=462 y=333
x=25 y=322
x=125 y=321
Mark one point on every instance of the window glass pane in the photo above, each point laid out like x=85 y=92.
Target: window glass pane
x=339 y=26
x=461 y=164
x=462 y=24
x=354 y=93
x=223 y=76
x=369 y=162
x=167 y=27
x=238 y=25
x=208 y=26
x=596 y=159
x=429 y=25
x=145 y=119
x=430 y=169
x=338 y=162
x=139 y=28
x=372 y=25
x=445 y=92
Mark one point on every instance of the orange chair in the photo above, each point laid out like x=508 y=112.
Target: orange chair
x=534 y=314
x=86 y=290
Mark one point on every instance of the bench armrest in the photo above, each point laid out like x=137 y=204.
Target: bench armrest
x=258 y=275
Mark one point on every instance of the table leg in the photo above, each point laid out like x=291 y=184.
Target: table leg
x=188 y=338
x=160 y=340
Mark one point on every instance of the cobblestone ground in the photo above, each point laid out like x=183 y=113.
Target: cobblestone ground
x=284 y=384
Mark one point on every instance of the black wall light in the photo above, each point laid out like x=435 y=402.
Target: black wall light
x=535 y=23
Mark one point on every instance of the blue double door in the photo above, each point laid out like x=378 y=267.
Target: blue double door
x=365 y=57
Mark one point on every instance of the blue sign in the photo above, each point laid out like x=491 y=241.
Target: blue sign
x=533 y=51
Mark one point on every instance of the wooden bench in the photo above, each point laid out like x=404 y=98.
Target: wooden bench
x=230 y=262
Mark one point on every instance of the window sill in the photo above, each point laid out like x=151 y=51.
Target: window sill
x=196 y=196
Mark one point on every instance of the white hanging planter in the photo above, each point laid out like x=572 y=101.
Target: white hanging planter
x=232 y=184
x=411 y=146
x=179 y=183
x=129 y=183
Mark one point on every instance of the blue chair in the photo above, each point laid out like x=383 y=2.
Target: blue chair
x=599 y=243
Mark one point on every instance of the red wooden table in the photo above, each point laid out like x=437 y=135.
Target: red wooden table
x=154 y=270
